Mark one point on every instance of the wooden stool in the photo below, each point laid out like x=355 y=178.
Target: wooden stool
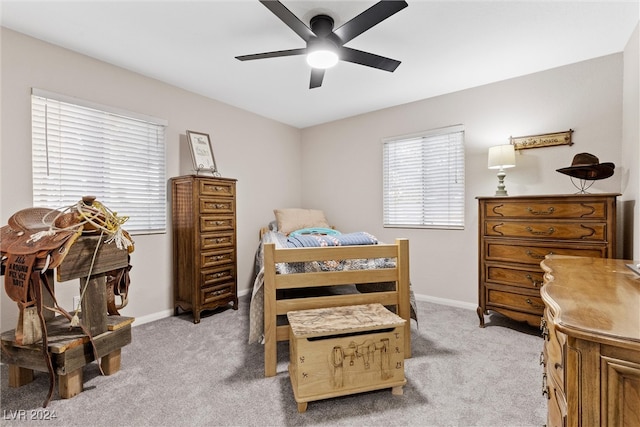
x=345 y=350
x=70 y=351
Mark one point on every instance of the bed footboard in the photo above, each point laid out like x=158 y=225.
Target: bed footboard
x=399 y=297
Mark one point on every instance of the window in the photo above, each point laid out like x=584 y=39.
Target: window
x=423 y=179
x=82 y=149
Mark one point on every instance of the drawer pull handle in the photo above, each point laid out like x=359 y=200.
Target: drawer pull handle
x=219 y=205
x=549 y=231
x=219 y=257
x=219 y=188
x=220 y=240
x=535 y=283
x=558 y=365
x=545 y=388
x=543 y=328
x=531 y=303
x=220 y=275
x=219 y=222
x=547 y=212
x=537 y=256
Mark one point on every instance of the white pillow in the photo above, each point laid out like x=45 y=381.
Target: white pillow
x=294 y=219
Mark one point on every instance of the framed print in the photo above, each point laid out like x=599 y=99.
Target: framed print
x=201 y=151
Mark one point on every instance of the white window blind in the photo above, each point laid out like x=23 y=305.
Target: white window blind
x=82 y=149
x=423 y=179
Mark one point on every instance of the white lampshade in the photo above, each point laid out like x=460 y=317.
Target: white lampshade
x=502 y=157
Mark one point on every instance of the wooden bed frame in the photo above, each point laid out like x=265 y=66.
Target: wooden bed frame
x=400 y=297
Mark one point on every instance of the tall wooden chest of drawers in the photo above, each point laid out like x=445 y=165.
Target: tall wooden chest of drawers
x=517 y=232
x=204 y=243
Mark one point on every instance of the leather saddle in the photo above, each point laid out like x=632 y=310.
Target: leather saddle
x=34 y=241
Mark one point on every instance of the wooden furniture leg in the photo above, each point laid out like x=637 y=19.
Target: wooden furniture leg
x=70 y=384
x=111 y=362
x=302 y=407
x=19 y=376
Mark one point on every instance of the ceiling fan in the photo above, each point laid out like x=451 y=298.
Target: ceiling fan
x=325 y=43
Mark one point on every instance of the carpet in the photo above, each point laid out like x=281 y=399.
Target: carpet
x=179 y=373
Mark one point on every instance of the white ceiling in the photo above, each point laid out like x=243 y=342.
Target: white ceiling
x=444 y=46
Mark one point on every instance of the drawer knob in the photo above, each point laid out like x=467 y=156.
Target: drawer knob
x=536 y=212
x=548 y=232
x=535 y=283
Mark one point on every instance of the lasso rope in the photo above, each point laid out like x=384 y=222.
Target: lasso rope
x=95 y=214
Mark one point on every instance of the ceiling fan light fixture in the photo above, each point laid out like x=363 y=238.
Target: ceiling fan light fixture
x=322 y=58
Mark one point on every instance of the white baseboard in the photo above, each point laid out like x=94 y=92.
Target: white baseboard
x=446 y=301
x=153 y=316
x=443 y=301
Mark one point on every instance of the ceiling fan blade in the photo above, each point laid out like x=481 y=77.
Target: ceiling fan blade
x=367 y=19
x=317 y=74
x=368 y=59
x=289 y=18
x=274 y=54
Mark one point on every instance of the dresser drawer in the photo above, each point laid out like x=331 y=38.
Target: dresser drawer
x=216 y=206
x=215 y=293
x=513 y=301
x=552 y=209
x=217 y=188
x=216 y=258
x=526 y=278
x=585 y=231
x=210 y=223
x=217 y=240
x=529 y=253
x=217 y=276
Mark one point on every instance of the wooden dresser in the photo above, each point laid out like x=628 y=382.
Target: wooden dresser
x=517 y=232
x=204 y=243
x=591 y=331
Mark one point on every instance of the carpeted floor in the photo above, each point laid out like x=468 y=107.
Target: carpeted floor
x=178 y=373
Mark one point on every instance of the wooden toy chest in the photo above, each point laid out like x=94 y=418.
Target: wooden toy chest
x=345 y=350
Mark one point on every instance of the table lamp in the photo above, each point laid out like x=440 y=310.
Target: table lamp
x=502 y=157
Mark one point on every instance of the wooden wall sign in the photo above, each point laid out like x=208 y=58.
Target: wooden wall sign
x=544 y=140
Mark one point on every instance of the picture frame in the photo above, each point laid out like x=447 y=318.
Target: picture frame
x=542 y=140
x=201 y=152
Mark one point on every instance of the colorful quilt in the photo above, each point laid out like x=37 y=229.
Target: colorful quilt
x=256 y=311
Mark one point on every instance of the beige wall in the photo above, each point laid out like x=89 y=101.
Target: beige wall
x=336 y=166
x=262 y=184
x=585 y=97
x=631 y=147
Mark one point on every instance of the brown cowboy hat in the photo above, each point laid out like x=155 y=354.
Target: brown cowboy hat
x=587 y=166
